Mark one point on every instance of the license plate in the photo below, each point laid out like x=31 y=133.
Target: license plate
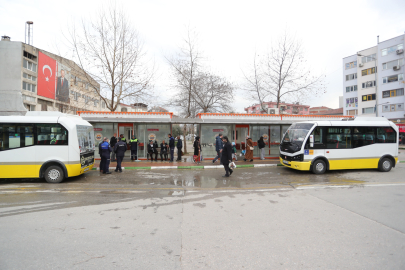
x=86 y=169
x=285 y=162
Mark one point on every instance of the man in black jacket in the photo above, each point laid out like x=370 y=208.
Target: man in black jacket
x=171 y=147
x=152 y=149
x=226 y=156
x=179 y=146
x=113 y=141
x=120 y=149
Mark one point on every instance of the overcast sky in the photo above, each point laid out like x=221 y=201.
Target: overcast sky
x=229 y=31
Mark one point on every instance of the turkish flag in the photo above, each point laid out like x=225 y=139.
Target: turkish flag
x=47 y=74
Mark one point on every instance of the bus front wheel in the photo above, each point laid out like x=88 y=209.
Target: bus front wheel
x=319 y=167
x=385 y=165
x=54 y=174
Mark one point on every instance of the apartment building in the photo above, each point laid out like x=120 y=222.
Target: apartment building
x=373 y=81
x=284 y=108
x=37 y=80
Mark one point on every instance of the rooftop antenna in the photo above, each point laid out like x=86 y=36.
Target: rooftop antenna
x=29 y=32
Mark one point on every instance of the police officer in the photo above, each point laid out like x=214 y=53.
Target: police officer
x=123 y=138
x=134 y=148
x=113 y=141
x=119 y=150
x=105 y=156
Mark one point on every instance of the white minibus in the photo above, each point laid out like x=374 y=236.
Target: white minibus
x=49 y=145
x=362 y=143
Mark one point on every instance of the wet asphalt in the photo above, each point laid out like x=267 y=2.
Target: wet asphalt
x=259 y=218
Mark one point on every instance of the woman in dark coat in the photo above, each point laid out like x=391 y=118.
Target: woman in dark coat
x=226 y=156
x=249 y=152
x=197 y=149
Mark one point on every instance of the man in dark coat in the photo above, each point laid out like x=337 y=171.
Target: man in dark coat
x=113 y=141
x=218 y=147
x=120 y=149
x=226 y=156
x=152 y=150
x=105 y=151
x=171 y=147
x=179 y=146
x=134 y=148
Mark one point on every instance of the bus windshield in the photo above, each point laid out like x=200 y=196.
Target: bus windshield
x=85 y=135
x=296 y=133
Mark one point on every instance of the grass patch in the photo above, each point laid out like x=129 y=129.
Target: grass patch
x=137 y=168
x=184 y=167
x=244 y=166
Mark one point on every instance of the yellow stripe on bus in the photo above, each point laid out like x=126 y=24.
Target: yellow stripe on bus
x=32 y=171
x=338 y=164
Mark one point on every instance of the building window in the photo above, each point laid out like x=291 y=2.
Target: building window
x=352 y=102
x=368 y=58
x=29 y=65
x=368 y=97
x=351 y=88
x=124 y=109
x=392 y=49
x=393 y=107
x=29 y=87
x=368 y=110
x=368 y=84
x=351 y=65
x=391 y=64
x=28 y=98
x=393 y=93
x=351 y=76
x=368 y=71
x=29 y=77
x=103 y=105
x=393 y=78
x=30 y=56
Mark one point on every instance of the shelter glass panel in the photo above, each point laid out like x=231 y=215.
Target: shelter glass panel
x=208 y=134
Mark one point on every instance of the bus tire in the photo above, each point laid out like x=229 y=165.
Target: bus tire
x=319 y=167
x=385 y=165
x=54 y=174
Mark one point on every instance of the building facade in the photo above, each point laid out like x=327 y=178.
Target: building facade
x=43 y=81
x=284 y=108
x=373 y=81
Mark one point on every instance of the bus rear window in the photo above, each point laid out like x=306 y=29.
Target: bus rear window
x=85 y=135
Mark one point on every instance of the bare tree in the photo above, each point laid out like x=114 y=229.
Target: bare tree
x=284 y=73
x=212 y=94
x=185 y=66
x=254 y=83
x=109 y=53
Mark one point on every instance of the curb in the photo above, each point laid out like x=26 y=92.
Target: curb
x=190 y=167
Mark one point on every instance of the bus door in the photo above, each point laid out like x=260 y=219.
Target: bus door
x=339 y=150
x=315 y=145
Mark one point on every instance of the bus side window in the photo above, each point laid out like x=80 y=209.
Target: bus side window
x=15 y=136
x=51 y=134
x=363 y=136
x=338 y=138
x=386 y=135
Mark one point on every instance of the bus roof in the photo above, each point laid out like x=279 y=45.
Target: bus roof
x=41 y=117
x=358 y=121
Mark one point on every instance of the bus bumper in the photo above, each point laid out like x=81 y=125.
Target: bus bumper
x=297 y=165
x=76 y=169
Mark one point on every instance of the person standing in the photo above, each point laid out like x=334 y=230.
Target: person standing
x=261 y=145
x=197 y=149
x=234 y=156
x=226 y=156
x=134 y=148
x=218 y=147
x=249 y=149
x=179 y=147
x=102 y=160
x=120 y=149
x=163 y=150
x=105 y=156
x=171 y=147
x=113 y=141
x=123 y=138
x=152 y=150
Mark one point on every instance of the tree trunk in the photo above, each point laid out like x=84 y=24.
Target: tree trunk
x=184 y=138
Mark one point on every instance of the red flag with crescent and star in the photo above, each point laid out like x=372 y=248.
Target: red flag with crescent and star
x=47 y=74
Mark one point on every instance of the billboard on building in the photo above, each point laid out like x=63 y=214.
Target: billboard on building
x=53 y=78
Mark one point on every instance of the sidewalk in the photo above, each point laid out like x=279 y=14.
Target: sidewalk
x=185 y=164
